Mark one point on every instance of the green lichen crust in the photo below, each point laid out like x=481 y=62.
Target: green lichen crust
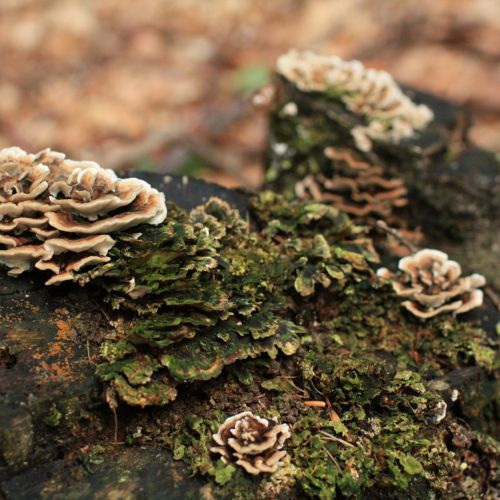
x=206 y=290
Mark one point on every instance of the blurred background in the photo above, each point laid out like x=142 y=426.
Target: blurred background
x=164 y=85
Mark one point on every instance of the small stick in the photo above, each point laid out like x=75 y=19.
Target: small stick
x=393 y=232
x=89 y=357
x=115 y=418
x=331 y=457
x=315 y=388
x=335 y=438
x=315 y=404
x=493 y=296
x=334 y=416
x=102 y=310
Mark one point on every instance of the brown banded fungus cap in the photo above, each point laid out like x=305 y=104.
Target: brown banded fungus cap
x=354 y=186
x=252 y=442
x=432 y=284
x=57 y=214
x=390 y=114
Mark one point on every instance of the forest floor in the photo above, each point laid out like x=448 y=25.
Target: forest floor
x=165 y=86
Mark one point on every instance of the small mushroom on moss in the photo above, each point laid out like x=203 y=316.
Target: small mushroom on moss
x=433 y=284
x=390 y=115
x=57 y=214
x=252 y=442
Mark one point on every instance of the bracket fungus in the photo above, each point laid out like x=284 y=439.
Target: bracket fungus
x=57 y=214
x=207 y=289
x=433 y=284
x=354 y=186
x=252 y=442
x=389 y=114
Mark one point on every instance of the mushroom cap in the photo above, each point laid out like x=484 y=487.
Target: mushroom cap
x=391 y=115
x=45 y=195
x=433 y=284
x=251 y=442
x=354 y=186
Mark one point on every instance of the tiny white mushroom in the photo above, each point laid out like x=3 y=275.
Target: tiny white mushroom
x=290 y=109
x=440 y=414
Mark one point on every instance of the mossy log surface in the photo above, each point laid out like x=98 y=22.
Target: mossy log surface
x=382 y=377
x=102 y=396
x=453 y=187
x=52 y=417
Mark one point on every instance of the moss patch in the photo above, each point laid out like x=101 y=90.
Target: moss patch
x=400 y=411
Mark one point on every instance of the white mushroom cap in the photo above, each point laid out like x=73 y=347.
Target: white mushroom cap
x=100 y=244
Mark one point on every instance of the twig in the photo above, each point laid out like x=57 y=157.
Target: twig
x=104 y=313
x=131 y=153
x=315 y=388
x=218 y=159
x=115 y=419
x=493 y=296
x=89 y=357
x=315 y=404
x=295 y=386
x=396 y=234
x=335 y=438
x=211 y=123
x=331 y=457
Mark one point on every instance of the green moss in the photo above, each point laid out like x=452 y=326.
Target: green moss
x=53 y=417
x=218 y=306
x=92 y=457
x=206 y=290
x=381 y=372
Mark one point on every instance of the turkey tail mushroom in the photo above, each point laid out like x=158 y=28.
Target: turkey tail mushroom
x=390 y=115
x=252 y=442
x=432 y=284
x=354 y=186
x=57 y=214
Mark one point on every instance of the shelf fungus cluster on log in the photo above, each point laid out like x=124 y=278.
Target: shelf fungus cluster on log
x=207 y=290
x=252 y=442
x=432 y=284
x=354 y=186
x=57 y=214
x=389 y=114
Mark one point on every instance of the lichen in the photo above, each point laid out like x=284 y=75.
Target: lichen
x=206 y=290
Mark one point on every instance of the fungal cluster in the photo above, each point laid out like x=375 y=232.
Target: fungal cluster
x=432 y=284
x=354 y=186
x=57 y=214
x=389 y=114
x=252 y=442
